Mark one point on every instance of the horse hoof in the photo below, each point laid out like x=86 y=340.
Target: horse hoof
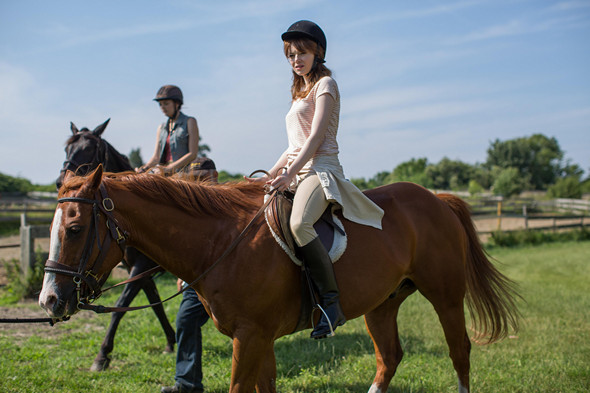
x=100 y=365
x=169 y=348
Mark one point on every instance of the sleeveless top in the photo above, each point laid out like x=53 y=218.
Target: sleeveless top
x=178 y=138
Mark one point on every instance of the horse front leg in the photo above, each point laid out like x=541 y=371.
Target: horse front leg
x=102 y=360
x=251 y=363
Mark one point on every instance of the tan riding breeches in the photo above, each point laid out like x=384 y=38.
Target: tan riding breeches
x=308 y=206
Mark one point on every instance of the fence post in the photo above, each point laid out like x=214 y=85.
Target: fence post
x=499 y=214
x=526 y=217
x=28 y=234
x=27 y=245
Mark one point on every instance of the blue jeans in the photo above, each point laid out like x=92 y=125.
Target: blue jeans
x=191 y=316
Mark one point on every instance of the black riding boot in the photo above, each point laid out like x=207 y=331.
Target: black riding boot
x=320 y=268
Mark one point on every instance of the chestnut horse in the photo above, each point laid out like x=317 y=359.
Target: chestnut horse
x=428 y=243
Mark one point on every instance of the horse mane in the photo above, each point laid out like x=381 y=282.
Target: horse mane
x=112 y=155
x=222 y=200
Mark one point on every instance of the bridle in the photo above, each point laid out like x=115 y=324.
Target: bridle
x=86 y=272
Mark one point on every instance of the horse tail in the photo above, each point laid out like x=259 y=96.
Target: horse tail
x=491 y=296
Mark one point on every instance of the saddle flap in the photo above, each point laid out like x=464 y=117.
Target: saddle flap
x=278 y=215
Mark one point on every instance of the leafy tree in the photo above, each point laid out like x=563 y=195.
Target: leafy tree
x=413 y=171
x=508 y=182
x=203 y=148
x=135 y=158
x=566 y=187
x=482 y=176
x=224 y=176
x=572 y=170
x=536 y=157
x=449 y=174
x=360 y=182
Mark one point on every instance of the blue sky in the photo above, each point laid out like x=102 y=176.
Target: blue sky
x=427 y=79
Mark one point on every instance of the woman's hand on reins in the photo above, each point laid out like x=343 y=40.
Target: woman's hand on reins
x=281 y=182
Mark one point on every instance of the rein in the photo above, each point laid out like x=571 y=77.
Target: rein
x=84 y=303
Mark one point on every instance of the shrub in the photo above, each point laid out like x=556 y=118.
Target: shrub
x=28 y=287
x=568 y=187
x=530 y=237
x=474 y=187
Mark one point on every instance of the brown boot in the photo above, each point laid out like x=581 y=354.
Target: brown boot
x=320 y=268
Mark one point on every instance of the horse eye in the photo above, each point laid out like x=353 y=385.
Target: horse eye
x=74 y=230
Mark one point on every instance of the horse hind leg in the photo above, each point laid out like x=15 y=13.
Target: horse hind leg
x=382 y=327
x=452 y=320
x=451 y=314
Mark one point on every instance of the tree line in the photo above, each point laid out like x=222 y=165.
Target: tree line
x=512 y=166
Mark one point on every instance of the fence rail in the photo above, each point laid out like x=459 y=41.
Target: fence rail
x=556 y=222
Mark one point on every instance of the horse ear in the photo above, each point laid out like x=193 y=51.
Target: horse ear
x=100 y=129
x=74 y=128
x=69 y=174
x=94 y=179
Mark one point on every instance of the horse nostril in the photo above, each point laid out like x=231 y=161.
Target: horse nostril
x=48 y=302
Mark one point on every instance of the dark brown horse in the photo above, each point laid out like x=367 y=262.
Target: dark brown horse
x=85 y=150
x=428 y=243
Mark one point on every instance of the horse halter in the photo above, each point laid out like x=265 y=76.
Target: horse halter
x=83 y=273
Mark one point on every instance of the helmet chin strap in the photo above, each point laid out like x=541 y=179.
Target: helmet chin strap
x=175 y=114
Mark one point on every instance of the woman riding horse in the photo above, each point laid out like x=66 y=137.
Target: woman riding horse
x=312 y=165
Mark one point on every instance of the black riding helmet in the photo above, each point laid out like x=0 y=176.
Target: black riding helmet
x=306 y=29
x=169 y=92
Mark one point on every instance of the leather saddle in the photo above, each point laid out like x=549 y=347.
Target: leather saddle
x=278 y=215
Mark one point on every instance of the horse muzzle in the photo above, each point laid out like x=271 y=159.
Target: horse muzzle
x=57 y=303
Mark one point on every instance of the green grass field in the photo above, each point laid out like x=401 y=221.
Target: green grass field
x=551 y=352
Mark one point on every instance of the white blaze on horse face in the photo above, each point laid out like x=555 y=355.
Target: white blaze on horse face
x=55 y=245
x=54 y=249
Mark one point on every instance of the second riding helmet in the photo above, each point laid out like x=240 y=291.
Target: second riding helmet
x=306 y=29
x=169 y=92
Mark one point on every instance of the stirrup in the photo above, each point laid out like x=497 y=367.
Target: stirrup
x=331 y=334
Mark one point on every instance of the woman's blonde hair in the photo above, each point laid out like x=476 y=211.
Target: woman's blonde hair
x=318 y=71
